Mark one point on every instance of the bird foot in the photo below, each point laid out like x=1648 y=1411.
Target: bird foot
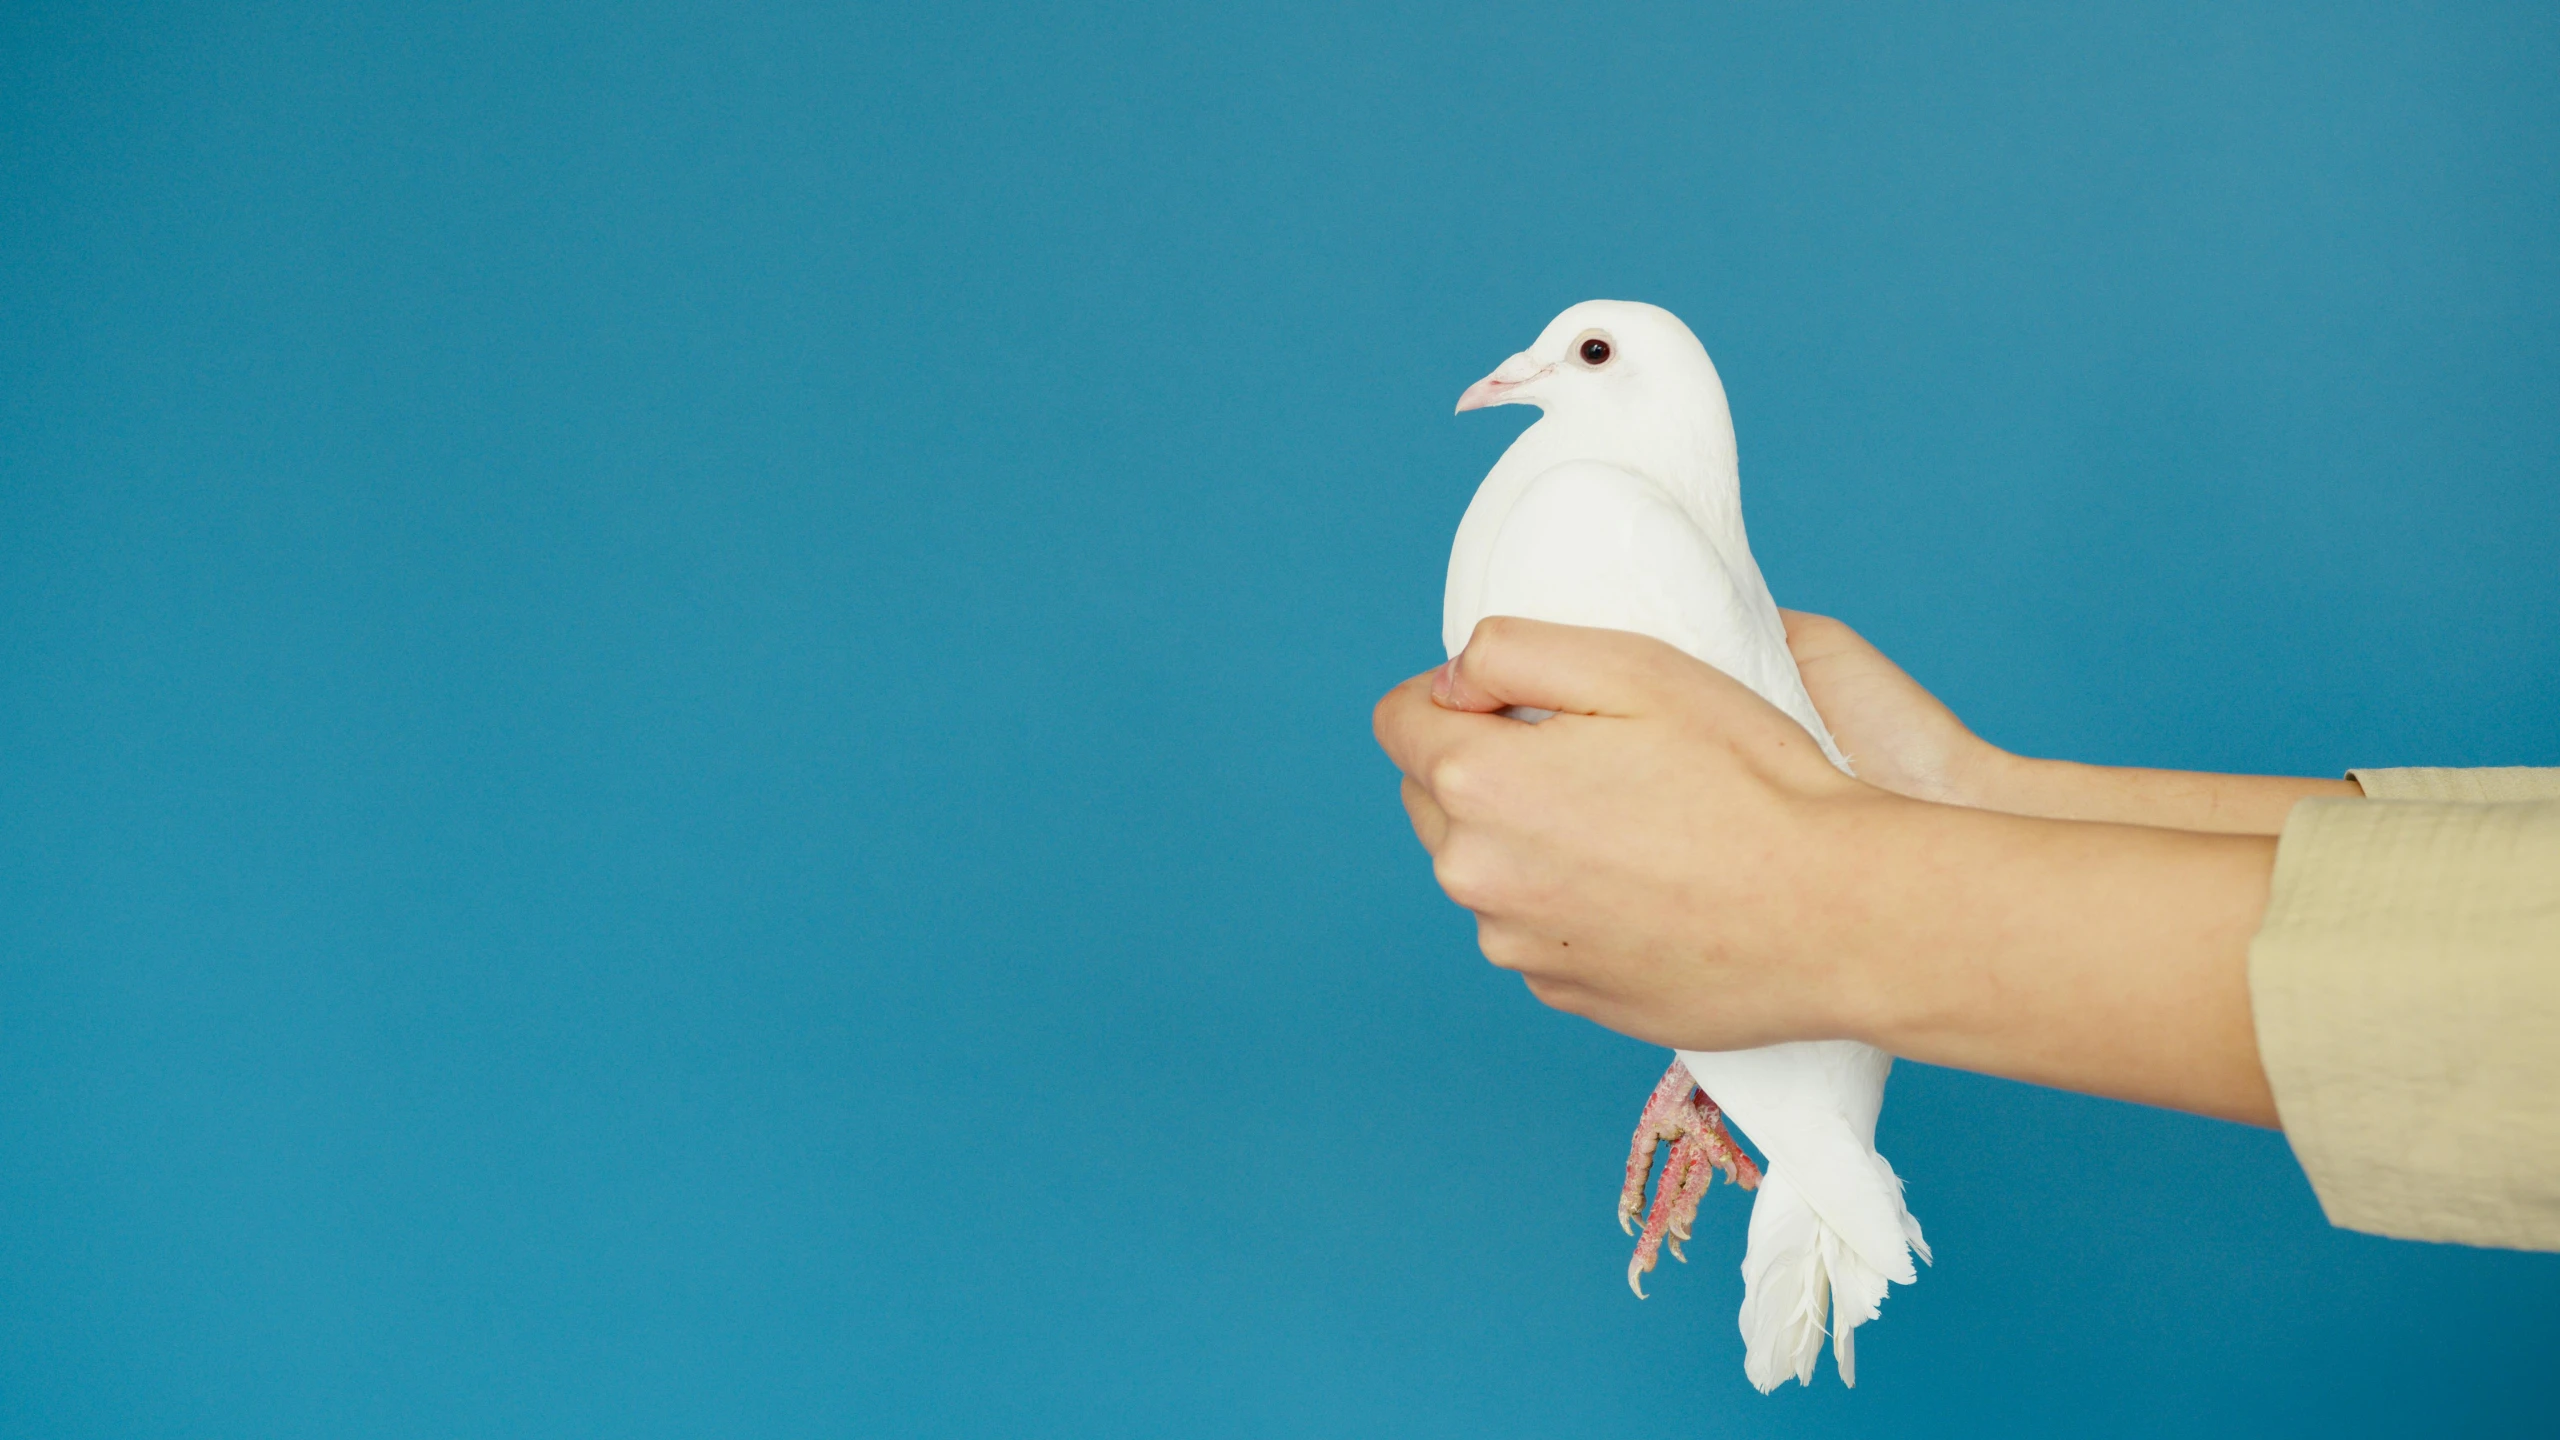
x=1680 y=1112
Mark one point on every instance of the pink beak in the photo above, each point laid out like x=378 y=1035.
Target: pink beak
x=1487 y=391
x=1496 y=388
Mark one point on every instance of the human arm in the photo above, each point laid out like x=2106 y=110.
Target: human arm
x=1901 y=738
x=1672 y=857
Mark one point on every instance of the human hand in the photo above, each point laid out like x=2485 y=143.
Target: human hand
x=1671 y=857
x=1668 y=855
x=1895 y=733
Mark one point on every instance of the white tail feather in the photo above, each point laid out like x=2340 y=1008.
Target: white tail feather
x=1801 y=1281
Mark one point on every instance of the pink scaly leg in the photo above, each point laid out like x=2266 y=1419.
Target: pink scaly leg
x=1680 y=1112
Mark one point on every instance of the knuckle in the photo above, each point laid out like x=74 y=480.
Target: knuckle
x=1492 y=631
x=1554 y=994
x=1502 y=946
x=1461 y=876
x=1457 y=780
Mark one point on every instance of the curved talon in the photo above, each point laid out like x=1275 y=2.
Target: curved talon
x=1677 y=1111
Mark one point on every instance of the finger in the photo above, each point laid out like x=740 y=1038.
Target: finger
x=1813 y=636
x=1565 y=995
x=1796 y=620
x=1417 y=735
x=1430 y=822
x=1506 y=943
x=1396 y=715
x=1573 y=669
x=1514 y=944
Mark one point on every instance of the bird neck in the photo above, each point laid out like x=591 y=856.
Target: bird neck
x=1692 y=458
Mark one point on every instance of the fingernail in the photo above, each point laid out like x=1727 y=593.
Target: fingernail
x=1441 y=677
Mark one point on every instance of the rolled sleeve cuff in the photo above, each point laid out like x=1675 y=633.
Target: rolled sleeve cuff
x=2406 y=989
x=2490 y=786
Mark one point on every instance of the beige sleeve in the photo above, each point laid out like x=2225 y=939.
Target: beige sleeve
x=2511 y=782
x=2406 y=986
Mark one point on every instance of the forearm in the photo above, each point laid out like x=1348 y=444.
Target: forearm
x=2171 y=799
x=2108 y=959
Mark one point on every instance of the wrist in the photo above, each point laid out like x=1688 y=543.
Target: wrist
x=1876 y=843
x=2102 y=958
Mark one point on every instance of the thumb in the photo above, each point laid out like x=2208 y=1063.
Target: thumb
x=1570 y=669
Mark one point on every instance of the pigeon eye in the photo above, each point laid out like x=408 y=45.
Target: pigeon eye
x=1595 y=352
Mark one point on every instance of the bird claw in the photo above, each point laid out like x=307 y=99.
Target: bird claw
x=1680 y=1112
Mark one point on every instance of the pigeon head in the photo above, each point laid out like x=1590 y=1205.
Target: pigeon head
x=1605 y=360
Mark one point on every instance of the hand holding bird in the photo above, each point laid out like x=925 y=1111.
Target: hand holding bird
x=1670 y=856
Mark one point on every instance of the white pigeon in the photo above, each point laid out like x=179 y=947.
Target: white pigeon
x=1622 y=507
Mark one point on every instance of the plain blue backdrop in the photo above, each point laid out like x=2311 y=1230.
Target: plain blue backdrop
x=684 y=689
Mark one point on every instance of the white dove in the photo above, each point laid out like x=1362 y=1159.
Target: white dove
x=1622 y=507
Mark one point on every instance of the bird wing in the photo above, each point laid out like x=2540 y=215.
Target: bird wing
x=1589 y=543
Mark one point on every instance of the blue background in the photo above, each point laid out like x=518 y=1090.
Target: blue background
x=684 y=690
